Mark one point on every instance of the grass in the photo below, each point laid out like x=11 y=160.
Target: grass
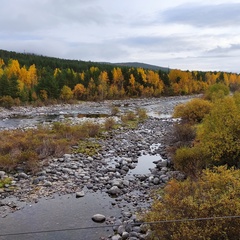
x=26 y=148
x=88 y=147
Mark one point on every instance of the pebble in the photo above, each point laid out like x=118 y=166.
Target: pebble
x=100 y=218
x=80 y=194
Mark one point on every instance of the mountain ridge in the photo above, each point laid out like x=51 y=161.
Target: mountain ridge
x=142 y=65
x=32 y=58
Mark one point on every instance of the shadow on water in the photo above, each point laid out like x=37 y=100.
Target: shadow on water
x=65 y=212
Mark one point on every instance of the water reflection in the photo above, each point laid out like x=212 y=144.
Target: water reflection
x=60 y=213
x=145 y=162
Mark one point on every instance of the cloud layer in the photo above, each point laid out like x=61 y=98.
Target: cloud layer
x=196 y=36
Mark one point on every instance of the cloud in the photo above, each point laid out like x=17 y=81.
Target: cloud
x=157 y=32
x=230 y=49
x=221 y=15
x=163 y=44
x=32 y=16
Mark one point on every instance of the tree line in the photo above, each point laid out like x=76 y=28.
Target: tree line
x=27 y=78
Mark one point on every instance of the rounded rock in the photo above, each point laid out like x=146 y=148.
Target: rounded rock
x=99 y=218
x=80 y=194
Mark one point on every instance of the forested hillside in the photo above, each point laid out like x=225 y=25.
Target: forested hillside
x=29 y=78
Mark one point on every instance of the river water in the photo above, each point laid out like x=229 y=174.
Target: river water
x=61 y=212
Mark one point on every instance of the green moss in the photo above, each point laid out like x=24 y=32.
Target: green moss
x=4 y=182
x=88 y=148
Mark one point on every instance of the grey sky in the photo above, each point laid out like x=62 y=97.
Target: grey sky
x=189 y=35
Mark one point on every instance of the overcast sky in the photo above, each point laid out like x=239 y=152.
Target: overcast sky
x=188 y=35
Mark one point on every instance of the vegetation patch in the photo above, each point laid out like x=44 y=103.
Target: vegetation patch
x=88 y=147
x=5 y=181
x=193 y=111
x=214 y=194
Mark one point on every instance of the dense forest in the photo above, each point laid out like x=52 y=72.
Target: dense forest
x=29 y=78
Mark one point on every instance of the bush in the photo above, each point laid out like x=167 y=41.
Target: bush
x=6 y=102
x=109 y=123
x=92 y=129
x=129 y=116
x=193 y=111
x=219 y=133
x=190 y=161
x=215 y=194
x=183 y=134
x=88 y=148
x=114 y=111
x=142 y=114
x=7 y=163
x=216 y=91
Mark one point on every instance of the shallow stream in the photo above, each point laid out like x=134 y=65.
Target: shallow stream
x=69 y=212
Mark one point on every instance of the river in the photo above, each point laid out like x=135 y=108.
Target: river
x=59 y=216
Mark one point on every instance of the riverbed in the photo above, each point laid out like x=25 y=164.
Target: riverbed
x=131 y=163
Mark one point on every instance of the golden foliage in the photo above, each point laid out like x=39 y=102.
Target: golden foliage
x=219 y=133
x=215 y=194
x=66 y=93
x=79 y=91
x=193 y=111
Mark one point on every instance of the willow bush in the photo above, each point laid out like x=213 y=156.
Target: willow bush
x=215 y=194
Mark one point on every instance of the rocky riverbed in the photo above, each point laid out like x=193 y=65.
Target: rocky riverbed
x=110 y=172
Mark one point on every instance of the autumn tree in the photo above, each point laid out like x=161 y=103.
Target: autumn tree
x=66 y=93
x=219 y=133
x=13 y=68
x=79 y=91
x=103 y=85
x=193 y=111
x=132 y=86
x=216 y=91
x=214 y=195
x=91 y=90
x=118 y=80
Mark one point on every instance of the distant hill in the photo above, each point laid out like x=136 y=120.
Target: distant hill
x=28 y=59
x=142 y=65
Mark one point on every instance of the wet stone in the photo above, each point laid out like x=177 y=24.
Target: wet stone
x=100 y=218
x=80 y=194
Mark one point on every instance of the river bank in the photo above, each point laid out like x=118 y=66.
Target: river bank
x=110 y=174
